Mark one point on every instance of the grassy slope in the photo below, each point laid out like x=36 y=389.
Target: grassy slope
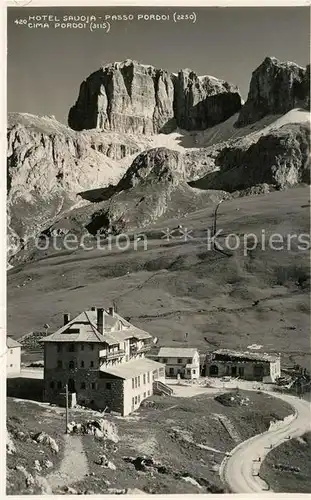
x=149 y=433
x=176 y=287
x=295 y=453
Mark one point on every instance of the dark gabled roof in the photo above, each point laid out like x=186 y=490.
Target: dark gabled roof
x=83 y=328
x=247 y=355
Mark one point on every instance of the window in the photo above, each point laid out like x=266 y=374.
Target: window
x=92 y=347
x=11 y=366
x=83 y=385
x=189 y=361
x=136 y=400
x=144 y=395
x=179 y=361
x=11 y=351
x=144 y=378
x=93 y=385
x=82 y=364
x=71 y=348
x=51 y=385
x=193 y=371
x=139 y=398
x=71 y=365
x=59 y=385
x=133 y=383
x=171 y=371
x=148 y=377
x=164 y=360
x=108 y=385
x=133 y=402
x=138 y=378
x=148 y=393
x=82 y=347
x=59 y=364
x=91 y=364
x=241 y=371
x=59 y=348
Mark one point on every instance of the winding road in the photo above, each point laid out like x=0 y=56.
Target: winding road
x=240 y=470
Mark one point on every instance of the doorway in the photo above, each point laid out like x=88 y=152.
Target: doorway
x=258 y=372
x=213 y=370
x=71 y=385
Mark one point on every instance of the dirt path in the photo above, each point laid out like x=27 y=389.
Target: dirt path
x=74 y=465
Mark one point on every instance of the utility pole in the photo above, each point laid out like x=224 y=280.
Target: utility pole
x=215 y=218
x=66 y=394
x=67 y=404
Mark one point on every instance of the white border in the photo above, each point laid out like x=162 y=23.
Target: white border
x=158 y=3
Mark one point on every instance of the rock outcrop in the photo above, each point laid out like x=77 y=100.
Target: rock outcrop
x=10 y=446
x=133 y=97
x=154 y=186
x=275 y=88
x=280 y=159
x=153 y=166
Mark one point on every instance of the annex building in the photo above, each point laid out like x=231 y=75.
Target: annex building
x=101 y=357
x=246 y=365
x=13 y=356
x=178 y=361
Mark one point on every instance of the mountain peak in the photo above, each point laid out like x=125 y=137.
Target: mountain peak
x=276 y=87
x=129 y=96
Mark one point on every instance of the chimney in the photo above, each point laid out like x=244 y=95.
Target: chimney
x=100 y=320
x=66 y=318
x=93 y=308
x=111 y=311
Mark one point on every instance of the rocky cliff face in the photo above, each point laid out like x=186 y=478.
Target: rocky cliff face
x=48 y=164
x=141 y=99
x=203 y=101
x=280 y=159
x=275 y=88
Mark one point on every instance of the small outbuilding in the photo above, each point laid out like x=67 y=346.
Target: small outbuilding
x=246 y=365
x=178 y=361
x=13 y=356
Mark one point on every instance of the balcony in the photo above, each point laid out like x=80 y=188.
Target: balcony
x=112 y=354
x=135 y=350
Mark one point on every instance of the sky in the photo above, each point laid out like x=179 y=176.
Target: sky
x=45 y=67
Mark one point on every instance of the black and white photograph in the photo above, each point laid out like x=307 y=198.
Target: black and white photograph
x=157 y=317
